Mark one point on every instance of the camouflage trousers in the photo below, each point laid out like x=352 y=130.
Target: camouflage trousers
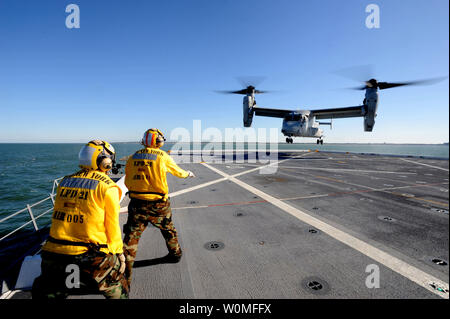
x=140 y=213
x=98 y=272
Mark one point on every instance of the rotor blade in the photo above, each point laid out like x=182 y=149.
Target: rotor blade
x=243 y=91
x=358 y=88
x=388 y=85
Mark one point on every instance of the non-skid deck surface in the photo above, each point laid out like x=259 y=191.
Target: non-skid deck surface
x=316 y=227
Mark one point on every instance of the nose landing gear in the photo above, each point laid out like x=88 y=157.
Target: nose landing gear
x=319 y=141
x=289 y=140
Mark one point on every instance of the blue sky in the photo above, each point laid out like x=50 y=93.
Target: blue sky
x=140 y=64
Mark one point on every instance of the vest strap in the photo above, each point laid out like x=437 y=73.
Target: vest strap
x=153 y=193
x=76 y=243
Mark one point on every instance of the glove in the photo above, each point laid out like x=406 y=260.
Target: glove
x=191 y=174
x=122 y=263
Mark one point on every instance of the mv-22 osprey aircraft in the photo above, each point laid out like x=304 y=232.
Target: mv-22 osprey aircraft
x=305 y=123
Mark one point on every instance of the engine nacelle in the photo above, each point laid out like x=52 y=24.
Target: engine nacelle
x=248 y=110
x=369 y=123
x=370 y=108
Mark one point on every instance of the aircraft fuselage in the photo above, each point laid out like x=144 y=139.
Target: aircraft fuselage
x=300 y=124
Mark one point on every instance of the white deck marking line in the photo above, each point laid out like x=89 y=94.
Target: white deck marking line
x=444 y=169
x=412 y=273
x=347 y=170
x=222 y=151
x=193 y=188
x=387 y=190
x=384 y=189
x=385 y=178
x=264 y=166
x=312 y=196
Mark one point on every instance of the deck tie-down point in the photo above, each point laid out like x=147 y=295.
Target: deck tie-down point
x=214 y=245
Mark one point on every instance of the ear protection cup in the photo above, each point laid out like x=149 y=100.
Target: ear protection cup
x=160 y=135
x=160 y=139
x=97 y=154
x=105 y=163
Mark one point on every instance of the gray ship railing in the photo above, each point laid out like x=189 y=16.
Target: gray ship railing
x=29 y=210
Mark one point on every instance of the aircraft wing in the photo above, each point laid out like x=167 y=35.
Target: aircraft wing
x=271 y=112
x=335 y=113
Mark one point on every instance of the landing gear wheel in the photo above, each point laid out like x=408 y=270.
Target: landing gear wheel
x=287 y=140
x=321 y=142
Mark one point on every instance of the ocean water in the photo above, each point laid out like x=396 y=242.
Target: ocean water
x=27 y=171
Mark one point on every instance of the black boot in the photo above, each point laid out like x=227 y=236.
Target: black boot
x=172 y=258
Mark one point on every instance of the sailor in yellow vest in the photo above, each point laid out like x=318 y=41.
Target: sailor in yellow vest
x=145 y=178
x=85 y=237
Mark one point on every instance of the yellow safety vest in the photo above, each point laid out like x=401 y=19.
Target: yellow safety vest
x=86 y=211
x=145 y=174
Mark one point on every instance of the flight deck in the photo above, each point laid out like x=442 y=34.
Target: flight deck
x=320 y=225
